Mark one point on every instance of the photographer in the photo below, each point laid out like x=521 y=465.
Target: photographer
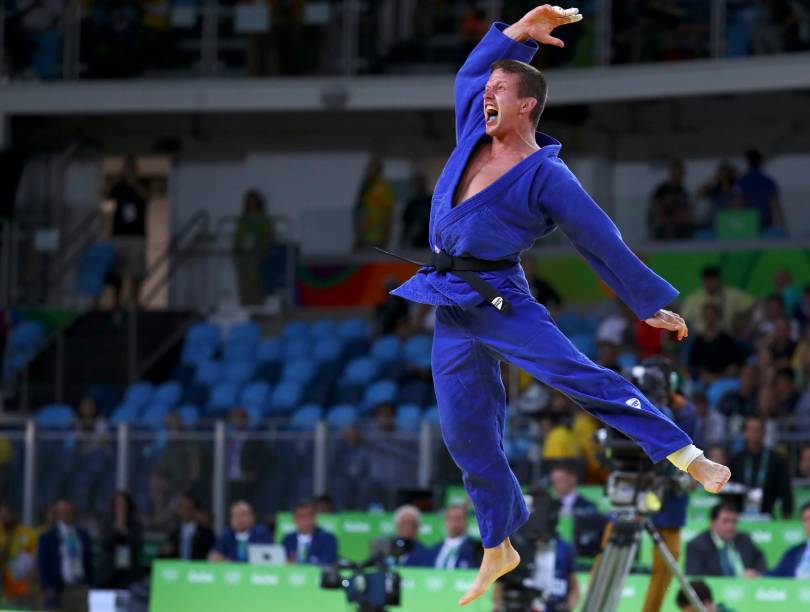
x=545 y=580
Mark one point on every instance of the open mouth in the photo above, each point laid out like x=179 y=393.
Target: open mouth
x=491 y=113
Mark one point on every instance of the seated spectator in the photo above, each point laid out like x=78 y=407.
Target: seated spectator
x=65 y=561
x=713 y=423
x=457 y=550
x=763 y=470
x=191 y=540
x=781 y=343
x=670 y=214
x=721 y=190
x=803 y=466
x=349 y=471
x=795 y=563
x=607 y=351
x=564 y=476
x=802 y=310
x=416 y=216
x=790 y=292
x=714 y=353
x=733 y=302
x=721 y=550
x=18 y=549
x=717 y=453
x=324 y=504
x=374 y=208
x=704 y=594
x=309 y=543
x=403 y=548
x=761 y=193
x=233 y=544
x=742 y=402
x=787 y=396
x=560 y=442
x=121 y=545
x=245 y=457
x=391 y=314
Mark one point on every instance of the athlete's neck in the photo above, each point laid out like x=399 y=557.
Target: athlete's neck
x=520 y=141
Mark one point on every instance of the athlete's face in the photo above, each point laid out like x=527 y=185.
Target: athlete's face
x=504 y=109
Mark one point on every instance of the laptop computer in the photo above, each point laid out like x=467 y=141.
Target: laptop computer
x=267 y=554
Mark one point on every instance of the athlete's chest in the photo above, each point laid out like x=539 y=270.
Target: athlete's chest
x=483 y=169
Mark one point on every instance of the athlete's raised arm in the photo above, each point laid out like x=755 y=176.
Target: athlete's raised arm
x=518 y=41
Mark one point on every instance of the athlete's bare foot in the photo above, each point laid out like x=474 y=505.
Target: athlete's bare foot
x=496 y=562
x=711 y=475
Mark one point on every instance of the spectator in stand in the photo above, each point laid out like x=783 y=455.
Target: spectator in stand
x=773 y=310
x=309 y=543
x=374 y=208
x=555 y=423
x=607 y=350
x=787 y=396
x=233 y=544
x=763 y=471
x=416 y=216
x=795 y=563
x=65 y=562
x=254 y=235
x=473 y=28
x=802 y=311
x=390 y=456
x=803 y=466
x=404 y=547
x=564 y=476
x=350 y=471
x=781 y=345
x=391 y=314
x=670 y=214
x=245 y=457
x=721 y=190
x=191 y=540
x=716 y=452
x=18 y=549
x=121 y=545
x=542 y=291
x=732 y=301
x=761 y=193
x=704 y=594
x=721 y=550
x=713 y=353
x=457 y=550
x=131 y=198
x=736 y=405
x=791 y=293
x=324 y=504
x=802 y=410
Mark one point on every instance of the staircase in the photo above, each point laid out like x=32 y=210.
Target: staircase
x=95 y=349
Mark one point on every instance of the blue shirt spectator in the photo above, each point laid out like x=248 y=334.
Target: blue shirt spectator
x=233 y=543
x=795 y=563
x=760 y=192
x=309 y=543
x=457 y=550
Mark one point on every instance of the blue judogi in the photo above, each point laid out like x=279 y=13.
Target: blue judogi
x=471 y=337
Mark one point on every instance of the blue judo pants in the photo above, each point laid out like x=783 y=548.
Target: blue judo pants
x=468 y=347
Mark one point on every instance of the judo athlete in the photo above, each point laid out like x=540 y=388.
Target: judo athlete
x=503 y=187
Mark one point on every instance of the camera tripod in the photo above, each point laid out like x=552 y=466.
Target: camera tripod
x=605 y=588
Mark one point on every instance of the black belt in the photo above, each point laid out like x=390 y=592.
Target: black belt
x=465 y=268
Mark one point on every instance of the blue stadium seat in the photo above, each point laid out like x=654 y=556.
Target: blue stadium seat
x=95 y=262
x=268 y=372
x=209 y=373
x=243 y=342
x=189 y=414
x=317 y=391
x=299 y=370
x=380 y=392
x=355 y=328
x=431 y=415
x=201 y=342
x=126 y=413
x=106 y=396
x=154 y=415
x=627 y=360
x=387 y=349
x=719 y=388
x=325 y=328
x=360 y=370
x=341 y=416
x=257 y=394
x=409 y=418
x=167 y=394
x=305 y=418
x=269 y=350
x=285 y=397
x=139 y=393
x=224 y=396
x=239 y=372
x=350 y=393
x=24 y=342
x=297 y=348
x=417 y=350
x=55 y=416
x=295 y=329
x=327 y=349
x=255 y=416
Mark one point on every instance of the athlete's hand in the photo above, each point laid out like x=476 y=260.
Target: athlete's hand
x=665 y=319
x=539 y=23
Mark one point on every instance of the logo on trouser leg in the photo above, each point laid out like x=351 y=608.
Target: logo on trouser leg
x=498 y=302
x=634 y=402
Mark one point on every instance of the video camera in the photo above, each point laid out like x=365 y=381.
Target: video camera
x=371 y=585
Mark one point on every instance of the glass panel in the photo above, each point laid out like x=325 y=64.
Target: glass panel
x=165 y=464
x=78 y=466
x=760 y=28
x=368 y=466
x=660 y=31
x=154 y=38
x=282 y=38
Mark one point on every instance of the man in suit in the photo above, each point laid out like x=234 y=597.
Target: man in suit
x=191 y=540
x=64 y=562
x=233 y=544
x=763 y=470
x=309 y=543
x=721 y=551
x=564 y=477
x=404 y=548
x=457 y=550
x=704 y=594
x=795 y=563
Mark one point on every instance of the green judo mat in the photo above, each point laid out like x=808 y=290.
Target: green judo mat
x=214 y=587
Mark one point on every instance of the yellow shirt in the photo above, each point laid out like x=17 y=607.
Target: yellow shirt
x=19 y=548
x=561 y=444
